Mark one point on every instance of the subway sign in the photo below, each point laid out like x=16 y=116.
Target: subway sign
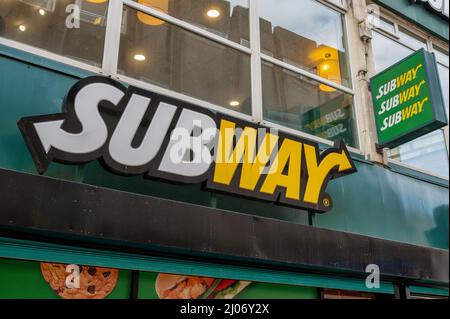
x=408 y=100
x=136 y=132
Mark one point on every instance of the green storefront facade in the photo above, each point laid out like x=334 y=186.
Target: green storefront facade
x=398 y=208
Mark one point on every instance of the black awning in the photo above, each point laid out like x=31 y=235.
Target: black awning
x=82 y=213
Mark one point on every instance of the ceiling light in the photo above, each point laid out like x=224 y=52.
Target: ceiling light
x=213 y=13
x=139 y=57
x=159 y=5
x=42 y=12
x=22 y=27
x=234 y=103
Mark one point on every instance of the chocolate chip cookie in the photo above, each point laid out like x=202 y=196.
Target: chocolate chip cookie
x=94 y=282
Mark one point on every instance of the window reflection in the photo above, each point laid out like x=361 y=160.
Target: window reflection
x=225 y=18
x=387 y=52
x=310 y=36
x=386 y=25
x=412 y=40
x=297 y=102
x=441 y=55
x=46 y=25
x=428 y=152
x=179 y=60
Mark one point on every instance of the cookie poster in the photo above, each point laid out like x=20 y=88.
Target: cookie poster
x=80 y=282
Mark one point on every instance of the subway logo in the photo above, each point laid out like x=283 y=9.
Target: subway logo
x=137 y=132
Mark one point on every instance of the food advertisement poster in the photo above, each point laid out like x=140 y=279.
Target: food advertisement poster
x=43 y=280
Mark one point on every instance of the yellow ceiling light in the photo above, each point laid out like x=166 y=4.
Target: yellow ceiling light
x=22 y=28
x=330 y=70
x=42 y=12
x=325 y=66
x=97 y=1
x=213 y=13
x=328 y=66
x=160 y=5
x=234 y=103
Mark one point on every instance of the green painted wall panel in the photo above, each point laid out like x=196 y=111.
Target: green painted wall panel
x=380 y=203
x=375 y=201
x=28 y=89
x=418 y=14
x=23 y=280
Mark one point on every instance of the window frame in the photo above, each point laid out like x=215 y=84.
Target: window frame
x=50 y=55
x=347 y=90
x=109 y=63
x=431 y=42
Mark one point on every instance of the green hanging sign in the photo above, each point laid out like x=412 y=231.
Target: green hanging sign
x=408 y=100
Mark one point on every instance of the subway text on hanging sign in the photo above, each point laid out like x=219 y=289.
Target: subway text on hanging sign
x=408 y=101
x=136 y=132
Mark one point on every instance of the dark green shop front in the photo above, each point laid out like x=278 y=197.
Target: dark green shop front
x=391 y=208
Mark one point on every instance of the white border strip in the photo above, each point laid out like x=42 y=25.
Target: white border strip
x=255 y=69
x=112 y=38
x=49 y=55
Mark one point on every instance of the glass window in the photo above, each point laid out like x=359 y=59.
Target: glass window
x=381 y=23
x=412 y=40
x=179 y=60
x=310 y=36
x=428 y=152
x=387 y=52
x=300 y=103
x=46 y=25
x=227 y=18
x=441 y=55
x=386 y=25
